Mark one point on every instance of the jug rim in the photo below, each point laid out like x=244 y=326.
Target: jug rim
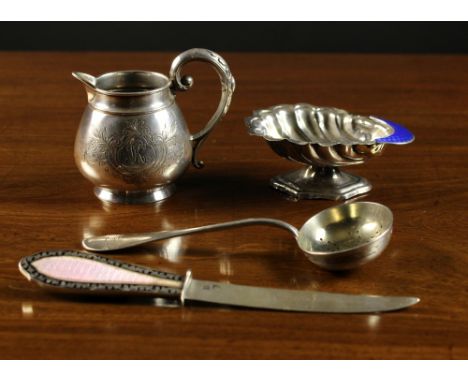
x=117 y=81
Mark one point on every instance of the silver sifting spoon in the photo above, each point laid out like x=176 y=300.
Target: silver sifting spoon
x=338 y=238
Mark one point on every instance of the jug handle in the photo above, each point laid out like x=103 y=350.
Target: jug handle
x=184 y=83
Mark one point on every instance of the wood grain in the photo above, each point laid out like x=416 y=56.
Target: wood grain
x=45 y=204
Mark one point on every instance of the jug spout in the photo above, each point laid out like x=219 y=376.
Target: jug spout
x=85 y=78
x=89 y=81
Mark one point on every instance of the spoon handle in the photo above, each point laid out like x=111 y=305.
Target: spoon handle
x=120 y=241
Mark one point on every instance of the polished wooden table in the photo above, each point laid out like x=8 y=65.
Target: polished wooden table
x=45 y=204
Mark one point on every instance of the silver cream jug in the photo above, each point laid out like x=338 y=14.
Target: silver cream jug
x=133 y=141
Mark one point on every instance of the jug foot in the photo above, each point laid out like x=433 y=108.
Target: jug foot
x=134 y=197
x=321 y=183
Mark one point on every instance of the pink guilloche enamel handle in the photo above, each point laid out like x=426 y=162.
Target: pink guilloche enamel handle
x=88 y=273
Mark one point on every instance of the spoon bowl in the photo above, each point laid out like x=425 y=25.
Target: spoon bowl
x=346 y=236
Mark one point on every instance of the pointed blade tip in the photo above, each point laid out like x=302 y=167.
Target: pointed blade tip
x=405 y=302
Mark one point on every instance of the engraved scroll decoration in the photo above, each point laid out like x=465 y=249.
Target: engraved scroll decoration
x=133 y=152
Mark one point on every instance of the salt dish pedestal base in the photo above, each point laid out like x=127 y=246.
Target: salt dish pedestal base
x=321 y=183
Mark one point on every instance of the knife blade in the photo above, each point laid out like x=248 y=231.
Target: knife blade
x=73 y=271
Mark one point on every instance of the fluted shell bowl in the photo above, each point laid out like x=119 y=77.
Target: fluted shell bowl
x=324 y=139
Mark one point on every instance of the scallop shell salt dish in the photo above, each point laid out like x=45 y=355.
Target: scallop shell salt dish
x=304 y=124
x=324 y=139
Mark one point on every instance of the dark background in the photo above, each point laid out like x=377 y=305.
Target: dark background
x=363 y=37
